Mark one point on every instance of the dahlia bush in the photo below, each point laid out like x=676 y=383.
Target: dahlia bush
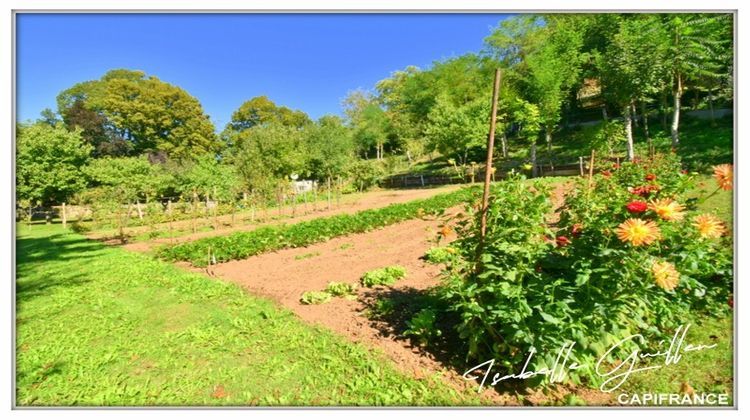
x=630 y=253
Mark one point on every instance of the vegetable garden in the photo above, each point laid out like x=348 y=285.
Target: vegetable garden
x=274 y=246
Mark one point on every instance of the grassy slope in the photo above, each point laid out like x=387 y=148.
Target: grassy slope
x=101 y=326
x=701 y=146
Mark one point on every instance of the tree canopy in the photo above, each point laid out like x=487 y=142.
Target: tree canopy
x=149 y=115
x=48 y=163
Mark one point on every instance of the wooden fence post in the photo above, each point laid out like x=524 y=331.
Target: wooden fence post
x=580 y=164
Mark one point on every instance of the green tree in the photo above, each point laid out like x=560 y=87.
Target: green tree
x=128 y=179
x=543 y=58
x=699 y=47
x=265 y=156
x=260 y=111
x=456 y=131
x=529 y=120
x=48 y=164
x=120 y=183
x=210 y=178
x=369 y=122
x=632 y=66
x=330 y=148
x=152 y=115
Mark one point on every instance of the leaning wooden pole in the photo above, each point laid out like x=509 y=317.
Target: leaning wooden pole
x=488 y=166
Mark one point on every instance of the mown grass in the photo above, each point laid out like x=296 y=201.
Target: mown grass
x=706 y=371
x=98 y=325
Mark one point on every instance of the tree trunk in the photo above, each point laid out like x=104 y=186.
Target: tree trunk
x=338 y=192
x=629 y=129
x=194 y=212
x=120 y=223
x=533 y=160
x=216 y=211
x=711 y=105
x=548 y=139
x=644 y=119
x=604 y=113
x=138 y=209
x=328 y=181
x=676 y=114
x=64 y=217
x=664 y=111
x=504 y=145
x=634 y=114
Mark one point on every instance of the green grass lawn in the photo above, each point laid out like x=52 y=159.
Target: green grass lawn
x=98 y=325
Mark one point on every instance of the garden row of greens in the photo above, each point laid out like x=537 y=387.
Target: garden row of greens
x=271 y=238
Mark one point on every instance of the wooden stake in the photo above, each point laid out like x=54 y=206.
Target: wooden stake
x=488 y=165
x=580 y=164
x=591 y=168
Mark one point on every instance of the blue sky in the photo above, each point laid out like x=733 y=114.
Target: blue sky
x=306 y=62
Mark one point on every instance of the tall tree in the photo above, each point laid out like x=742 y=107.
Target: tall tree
x=260 y=111
x=265 y=156
x=632 y=66
x=330 y=148
x=457 y=131
x=48 y=164
x=543 y=55
x=151 y=115
x=369 y=122
x=699 y=46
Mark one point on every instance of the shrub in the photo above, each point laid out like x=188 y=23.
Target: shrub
x=597 y=281
x=386 y=276
x=315 y=298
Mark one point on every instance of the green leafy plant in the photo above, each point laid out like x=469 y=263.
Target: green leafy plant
x=315 y=298
x=386 y=276
x=422 y=326
x=440 y=254
x=341 y=289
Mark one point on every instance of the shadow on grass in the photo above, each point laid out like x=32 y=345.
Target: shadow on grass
x=31 y=251
x=390 y=311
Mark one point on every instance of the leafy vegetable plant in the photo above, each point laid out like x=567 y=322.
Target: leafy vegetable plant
x=385 y=276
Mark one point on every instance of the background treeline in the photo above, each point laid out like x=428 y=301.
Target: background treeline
x=133 y=138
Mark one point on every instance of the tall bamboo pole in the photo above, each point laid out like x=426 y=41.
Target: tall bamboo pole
x=488 y=166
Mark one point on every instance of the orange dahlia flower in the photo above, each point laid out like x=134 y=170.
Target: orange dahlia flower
x=665 y=275
x=724 y=175
x=638 y=232
x=667 y=209
x=709 y=226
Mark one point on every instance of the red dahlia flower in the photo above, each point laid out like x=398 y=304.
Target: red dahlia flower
x=636 y=207
x=650 y=177
x=562 y=241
